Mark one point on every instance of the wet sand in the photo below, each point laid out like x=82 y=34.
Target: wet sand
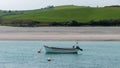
x=60 y=33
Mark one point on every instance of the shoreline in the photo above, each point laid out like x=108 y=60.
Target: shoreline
x=59 y=33
x=80 y=38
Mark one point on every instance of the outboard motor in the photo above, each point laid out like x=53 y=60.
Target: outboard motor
x=77 y=47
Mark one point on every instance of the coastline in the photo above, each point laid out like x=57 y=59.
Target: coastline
x=59 y=33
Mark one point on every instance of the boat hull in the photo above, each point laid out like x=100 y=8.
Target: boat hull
x=54 y=50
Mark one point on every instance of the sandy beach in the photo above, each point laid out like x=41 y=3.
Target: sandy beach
x=60 y=33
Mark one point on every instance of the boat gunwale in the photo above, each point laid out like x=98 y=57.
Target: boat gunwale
x=61 y=48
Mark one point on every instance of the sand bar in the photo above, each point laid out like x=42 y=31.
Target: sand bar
x=60 y=33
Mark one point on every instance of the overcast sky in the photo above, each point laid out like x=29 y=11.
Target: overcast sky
x=36 y=4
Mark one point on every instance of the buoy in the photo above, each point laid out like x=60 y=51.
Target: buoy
x=39 y=51
x=48 y=59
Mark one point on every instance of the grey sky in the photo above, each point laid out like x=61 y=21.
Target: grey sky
x=36 y=4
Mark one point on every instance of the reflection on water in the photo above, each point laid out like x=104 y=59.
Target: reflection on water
x=23 y=54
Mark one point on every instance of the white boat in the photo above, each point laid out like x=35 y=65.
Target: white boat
x=62 y=50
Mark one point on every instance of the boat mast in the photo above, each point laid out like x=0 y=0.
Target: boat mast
x=76 y=43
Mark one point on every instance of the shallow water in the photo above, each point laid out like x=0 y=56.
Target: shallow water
x=23 y=54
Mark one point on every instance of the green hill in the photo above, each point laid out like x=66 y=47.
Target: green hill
x=66 y=13
x=69 y=15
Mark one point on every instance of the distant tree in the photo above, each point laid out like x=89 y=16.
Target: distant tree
x=9 y=11
x=51 y=6
x=1 y=20
x=113 y=6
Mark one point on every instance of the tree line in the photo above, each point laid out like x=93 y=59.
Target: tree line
x=90 y=23
x=32 y=23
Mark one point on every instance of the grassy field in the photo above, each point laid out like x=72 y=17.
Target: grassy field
x=64 y=13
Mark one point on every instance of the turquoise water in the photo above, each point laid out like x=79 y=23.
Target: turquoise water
x=23 y=54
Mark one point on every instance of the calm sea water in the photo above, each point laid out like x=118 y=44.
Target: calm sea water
x=23 y=54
